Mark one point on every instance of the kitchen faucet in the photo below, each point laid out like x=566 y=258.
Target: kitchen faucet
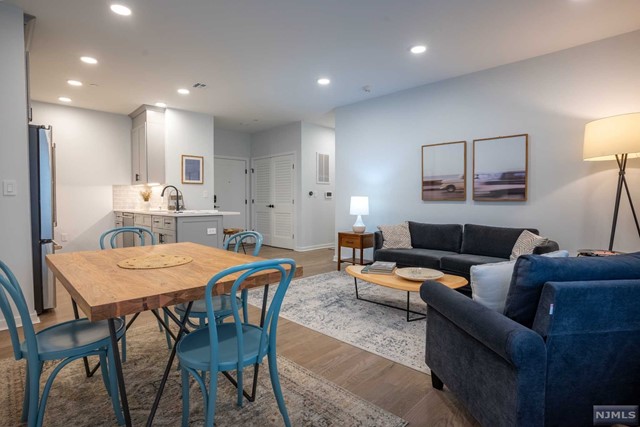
x=178 y=197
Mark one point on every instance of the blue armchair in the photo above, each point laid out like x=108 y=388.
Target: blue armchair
x=574 y=343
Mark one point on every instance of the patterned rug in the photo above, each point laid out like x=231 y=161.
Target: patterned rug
x=78 y=401
x=327 y=303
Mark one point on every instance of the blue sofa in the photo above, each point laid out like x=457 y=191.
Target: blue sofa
x=569 y=339
x=454 y=249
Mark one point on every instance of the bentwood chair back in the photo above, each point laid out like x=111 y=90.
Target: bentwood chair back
x=222 y=303
x=144 y=235
x=231 y=346
x=112 y=235
x=66 y=341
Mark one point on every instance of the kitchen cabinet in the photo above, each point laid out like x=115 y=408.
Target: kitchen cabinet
x=147 y=145
x=164 y=229
x=206 y=229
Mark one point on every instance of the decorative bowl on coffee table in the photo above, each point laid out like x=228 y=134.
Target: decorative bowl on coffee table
x=419 y=274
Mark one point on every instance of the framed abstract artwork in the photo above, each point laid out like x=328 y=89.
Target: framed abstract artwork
x=443 y=171
x=192 y=169
x=500 y=171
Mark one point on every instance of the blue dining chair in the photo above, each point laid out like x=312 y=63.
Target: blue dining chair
x=222 y=303
x=223 y=347
x=142 y=233
x=66 y=341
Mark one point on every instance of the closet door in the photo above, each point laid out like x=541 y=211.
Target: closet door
x=273 y=201
x=283 y=200
x=263 y=190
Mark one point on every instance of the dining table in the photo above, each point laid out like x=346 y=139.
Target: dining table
x=104 y=290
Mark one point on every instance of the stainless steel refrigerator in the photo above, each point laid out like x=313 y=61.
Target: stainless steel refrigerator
x=42 y=172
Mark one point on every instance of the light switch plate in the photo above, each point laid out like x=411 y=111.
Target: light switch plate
x=9 y=187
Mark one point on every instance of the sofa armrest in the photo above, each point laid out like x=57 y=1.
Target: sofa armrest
x=378 y=239
x=588 y=307
x=515 y=343
x=550 y=246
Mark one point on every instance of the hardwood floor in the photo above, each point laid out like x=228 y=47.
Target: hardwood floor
x=394 y=387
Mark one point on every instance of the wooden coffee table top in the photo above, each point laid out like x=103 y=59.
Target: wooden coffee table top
x=397 y=282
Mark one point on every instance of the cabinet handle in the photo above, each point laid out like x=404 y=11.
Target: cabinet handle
x=137 y=177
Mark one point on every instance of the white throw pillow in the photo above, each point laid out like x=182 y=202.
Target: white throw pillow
x=526 y=243
x=396 y=236
x=490 y=282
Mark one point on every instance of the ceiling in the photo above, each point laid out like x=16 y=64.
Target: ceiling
x=260 y=59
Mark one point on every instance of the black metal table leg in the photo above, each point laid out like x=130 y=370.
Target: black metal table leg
x=118 y=367
x=406 y=309
x=167 y=370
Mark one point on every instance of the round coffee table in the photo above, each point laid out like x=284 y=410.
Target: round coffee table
x=396 y=282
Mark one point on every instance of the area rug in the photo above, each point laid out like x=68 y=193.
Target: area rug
x=80 y=401
x=327 y=303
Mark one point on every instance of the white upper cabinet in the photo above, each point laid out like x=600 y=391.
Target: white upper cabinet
x=147 y=145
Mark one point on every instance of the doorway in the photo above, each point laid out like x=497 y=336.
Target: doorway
x=273 y=199
x=231 y=190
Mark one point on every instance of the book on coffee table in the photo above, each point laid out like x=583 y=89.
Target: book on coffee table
x=380 y=267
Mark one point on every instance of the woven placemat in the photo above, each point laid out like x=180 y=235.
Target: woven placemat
x=154 y=261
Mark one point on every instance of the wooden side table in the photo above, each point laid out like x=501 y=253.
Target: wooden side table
x=354 y=241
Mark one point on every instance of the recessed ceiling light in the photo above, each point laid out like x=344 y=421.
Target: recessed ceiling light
x=323 y=81
x=74 y=82
x=183 y=91
x=418 y=49
x=88 y=60
x=64 y=99
x=161 y=105
x=120 y=9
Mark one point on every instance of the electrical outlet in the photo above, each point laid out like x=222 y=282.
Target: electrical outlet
x=205 y=194
x=211 y=231
x=64 y=237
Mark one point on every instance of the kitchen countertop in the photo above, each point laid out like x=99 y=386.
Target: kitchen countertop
x=185 y=213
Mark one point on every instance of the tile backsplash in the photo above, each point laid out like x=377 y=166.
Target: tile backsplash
x=128 y=197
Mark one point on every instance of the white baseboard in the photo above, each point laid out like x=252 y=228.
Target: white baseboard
x=314 y=247
x=34 y=319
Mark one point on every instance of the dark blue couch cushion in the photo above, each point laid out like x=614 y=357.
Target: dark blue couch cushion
x=416 y=257
x=531 y=272
x=443 y=237
x=491 y=241
x=460 y=264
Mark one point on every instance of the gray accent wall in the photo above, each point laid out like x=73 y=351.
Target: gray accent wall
x=550 y=97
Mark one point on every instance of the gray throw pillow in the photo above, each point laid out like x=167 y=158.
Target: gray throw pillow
x=396 y=236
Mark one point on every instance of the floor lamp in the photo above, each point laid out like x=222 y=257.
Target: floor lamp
x=615 y=138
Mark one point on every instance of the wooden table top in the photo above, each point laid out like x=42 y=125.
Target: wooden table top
x=397 y=282
x=103 y=290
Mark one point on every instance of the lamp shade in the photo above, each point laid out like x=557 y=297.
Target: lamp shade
x=359 y=205
x=605 y=138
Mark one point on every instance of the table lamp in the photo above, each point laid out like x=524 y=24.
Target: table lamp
x=359 y=206
x=614 y=138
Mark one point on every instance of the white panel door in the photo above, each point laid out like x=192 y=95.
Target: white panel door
x=273 y=202
x=230 y=182
x=262 y=188
x=282 y=201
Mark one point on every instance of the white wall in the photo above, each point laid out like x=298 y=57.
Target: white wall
x=317 y=219
x=191 y=134
x=15 y=224
x=93 y=152
x=549 y=97
x=232 y=144
x=282 y=140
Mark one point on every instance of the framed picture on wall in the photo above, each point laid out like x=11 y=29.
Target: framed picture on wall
x=500 y=168
x=443 y=171
x=192 y=169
